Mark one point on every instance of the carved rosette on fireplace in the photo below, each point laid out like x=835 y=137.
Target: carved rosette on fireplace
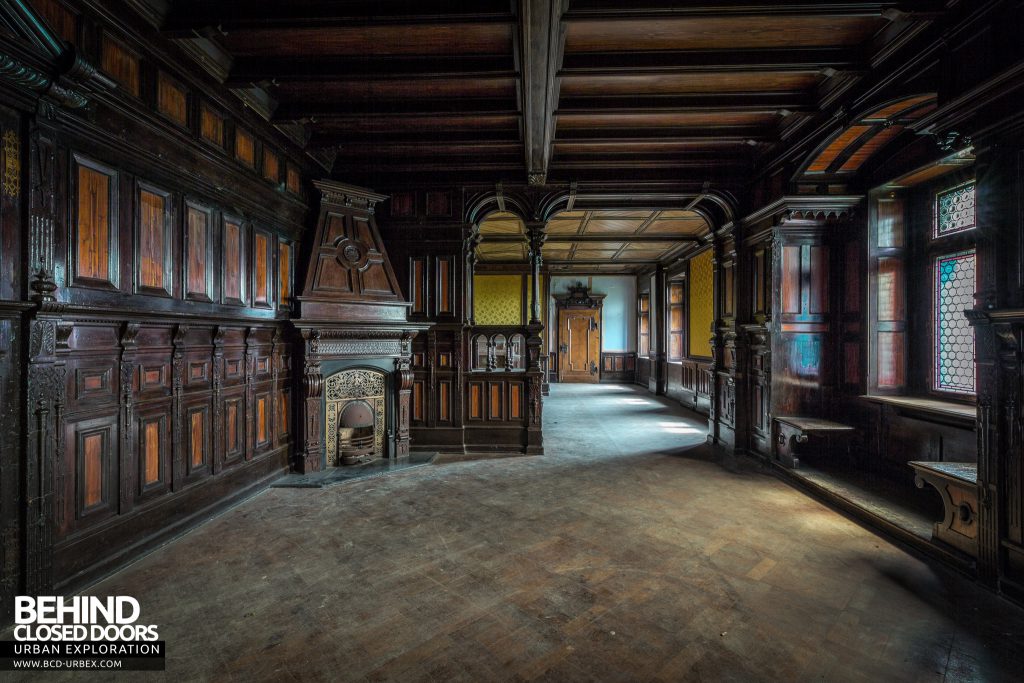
x=356 y=341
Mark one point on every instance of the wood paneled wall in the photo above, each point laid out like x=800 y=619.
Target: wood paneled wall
x=145 y=281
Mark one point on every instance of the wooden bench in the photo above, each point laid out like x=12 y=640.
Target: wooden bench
x=791 y=431
x=957 y=483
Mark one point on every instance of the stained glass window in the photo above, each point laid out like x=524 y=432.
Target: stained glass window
x=955 y=210
x=675 y=321
x=645 y=325
x=954 y=337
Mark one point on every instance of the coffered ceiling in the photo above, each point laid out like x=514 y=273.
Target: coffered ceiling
x=594 y=241
x=395 y=91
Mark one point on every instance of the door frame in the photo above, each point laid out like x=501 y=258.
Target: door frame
x=578 y=298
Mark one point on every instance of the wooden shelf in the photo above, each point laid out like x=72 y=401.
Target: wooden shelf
x=928 y=405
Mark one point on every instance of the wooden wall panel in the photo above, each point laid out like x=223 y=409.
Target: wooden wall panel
x=234 y=262
x=445 y=291
x=245 y=147
x=198 y=243
x=271 y=166
x=262 y=270
x=121 y=63
x=154 y=274
x=172 y=99
x=95 y=259
x=211 y=127
x=284 y=261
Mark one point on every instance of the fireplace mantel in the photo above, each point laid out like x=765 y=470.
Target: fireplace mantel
x=351 y=312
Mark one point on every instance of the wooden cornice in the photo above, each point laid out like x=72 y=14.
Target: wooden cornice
x=806 y=207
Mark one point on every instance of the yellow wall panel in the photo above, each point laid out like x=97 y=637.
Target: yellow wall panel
x=702 y=303
x=498 y=299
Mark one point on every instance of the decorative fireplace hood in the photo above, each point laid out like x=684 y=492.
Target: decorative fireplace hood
x=351 y=314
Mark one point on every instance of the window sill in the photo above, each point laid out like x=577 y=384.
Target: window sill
x=928 y=405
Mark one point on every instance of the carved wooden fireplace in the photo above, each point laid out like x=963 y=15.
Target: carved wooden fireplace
x=356 y=340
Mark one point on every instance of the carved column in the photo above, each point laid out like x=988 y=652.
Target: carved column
x=471 y=260
x=129 y=463
x=45 y=466
x=403 y=387
x=310 y=453
x=218 y=400
x=178 y=441
x=536 y=234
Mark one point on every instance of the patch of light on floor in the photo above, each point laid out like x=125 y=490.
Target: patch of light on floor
x=635 y=401
x=679 y=429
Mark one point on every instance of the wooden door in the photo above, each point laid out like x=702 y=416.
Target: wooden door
x=579 y=345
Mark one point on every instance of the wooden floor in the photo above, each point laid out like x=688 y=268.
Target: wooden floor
x=624 y=554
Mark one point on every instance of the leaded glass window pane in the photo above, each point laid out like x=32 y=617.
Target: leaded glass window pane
x=955 y=210
x=954 y=337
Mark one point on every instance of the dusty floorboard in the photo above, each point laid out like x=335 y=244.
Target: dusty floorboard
x=625 y=553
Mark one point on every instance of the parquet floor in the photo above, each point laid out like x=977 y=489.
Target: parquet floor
x=624 y=554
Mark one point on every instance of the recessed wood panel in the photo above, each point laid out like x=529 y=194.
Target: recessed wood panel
x=271 y=166
x=262 y=420
x=791 y=279
x=261 y=268
x=233 y=442
x=515 y=401
x=494 y=402
x=417 y=400
x=444 y=401
x=211 y=126
x=851 y=281
x=154 y=236
x=817 y=295
x=197 y=438
x=234 y=263
x=197 y=248
x=476 y=401
x=171 y=99
x=284 y=257
x=151 y=451
x=94 y=448
x=284 y=397
x=245 y=147
x=121 y=63
x=444 y=285
x=293 y=181
x=403 y=204
x=439 y=204
x=94 y=259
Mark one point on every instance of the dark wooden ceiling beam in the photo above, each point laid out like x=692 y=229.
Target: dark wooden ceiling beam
x=360 y=109
x=455 y=137
x=245 y=70
x=540 y=42
x=188 y=16
x=769 y=102
x=702 y=61
x=584 y=136
x=617 y=10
